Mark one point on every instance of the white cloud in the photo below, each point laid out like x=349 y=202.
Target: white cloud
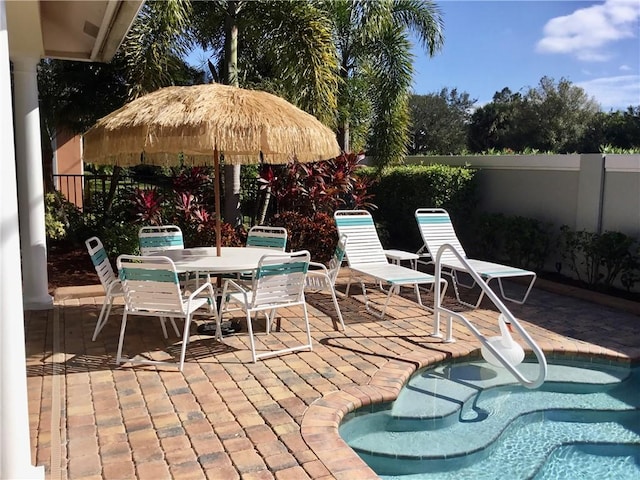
x=587 y=32
x=614 y=93
x=625 y=68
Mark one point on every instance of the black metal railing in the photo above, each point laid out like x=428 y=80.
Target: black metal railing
x=90 y=192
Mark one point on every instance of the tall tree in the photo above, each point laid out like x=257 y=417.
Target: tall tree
x=492 y=125
x=154 y=49
x=559 y=113
x=285 y=47
x=439 y=122
x=374 y=47
x=553 y=116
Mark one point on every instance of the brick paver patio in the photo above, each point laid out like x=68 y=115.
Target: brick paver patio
x=227 y=418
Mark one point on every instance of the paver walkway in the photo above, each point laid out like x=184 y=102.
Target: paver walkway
x=227 y=418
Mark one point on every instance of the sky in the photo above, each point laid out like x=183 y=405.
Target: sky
x=490 y=45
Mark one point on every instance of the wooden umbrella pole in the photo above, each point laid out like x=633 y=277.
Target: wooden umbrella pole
x=216 y=190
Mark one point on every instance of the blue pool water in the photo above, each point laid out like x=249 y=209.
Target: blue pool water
x=471 y=421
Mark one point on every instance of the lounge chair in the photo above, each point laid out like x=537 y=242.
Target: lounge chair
x=436 y=230
x=366 y=258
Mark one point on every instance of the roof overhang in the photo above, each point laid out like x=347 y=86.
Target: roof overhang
x=69 y=30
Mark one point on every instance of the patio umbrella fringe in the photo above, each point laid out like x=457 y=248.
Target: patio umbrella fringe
x=187 y=124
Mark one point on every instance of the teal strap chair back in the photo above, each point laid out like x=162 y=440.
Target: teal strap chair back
x=155 y=239
x=267 y=237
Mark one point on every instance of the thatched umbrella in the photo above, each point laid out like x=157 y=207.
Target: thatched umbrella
x=202 y=121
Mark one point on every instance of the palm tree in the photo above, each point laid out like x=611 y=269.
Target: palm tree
x=152 y=53
x=284 y=47
x=374 y=48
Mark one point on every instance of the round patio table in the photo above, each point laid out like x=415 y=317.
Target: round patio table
x=204 y=259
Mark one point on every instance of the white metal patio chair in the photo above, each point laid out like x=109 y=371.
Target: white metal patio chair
x=262 y=236
x=152 y=289
x=436 y=230
x=323 y=278
x=159 y=238
x=267 y=237
x=366 y=258
x=110 y=283
x=278 y=282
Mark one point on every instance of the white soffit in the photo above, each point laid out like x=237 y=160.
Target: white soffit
x=72 y=30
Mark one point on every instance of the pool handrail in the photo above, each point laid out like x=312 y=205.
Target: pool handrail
x=508 y=316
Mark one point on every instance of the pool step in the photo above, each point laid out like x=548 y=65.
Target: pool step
x=438 y=394
x=539 y=440
x=473 y=404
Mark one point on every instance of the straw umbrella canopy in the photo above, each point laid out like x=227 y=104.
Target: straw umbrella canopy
x=203 y=121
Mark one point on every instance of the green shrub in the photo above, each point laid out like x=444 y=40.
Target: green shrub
x=62 y=219
x=400 y=190
x=513 y=240
x=316 y=233
x=600 y=259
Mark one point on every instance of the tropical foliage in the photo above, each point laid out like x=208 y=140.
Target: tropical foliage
x=282 y=47
x=599 y=259
x=374 y=49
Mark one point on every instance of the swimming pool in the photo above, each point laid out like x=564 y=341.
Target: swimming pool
x=469 y=420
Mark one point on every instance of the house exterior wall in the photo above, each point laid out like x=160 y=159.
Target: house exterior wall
x=67 y=160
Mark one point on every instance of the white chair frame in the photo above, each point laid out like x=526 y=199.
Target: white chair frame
x=267 y=237
x=151 y=288
x=322 y=278
x=159 y=238
x=437 y=229
x=366 y=258
x=278 y=282
x=110 y=283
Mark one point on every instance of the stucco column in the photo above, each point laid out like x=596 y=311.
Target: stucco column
x=590 y=192
x=15 y=449
x=30 y=185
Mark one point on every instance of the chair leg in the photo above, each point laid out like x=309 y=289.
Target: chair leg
x=393 y=289
x=367 y=303
x=103 y=317
x=175 y=328
x=308 y=327
x=164 y=327
x=185 y=339
x=304 y=346
x=121 y=340
x=270 y=317
x=418 y=297
x=524 y=297
x=251 y=340
x=335 y=303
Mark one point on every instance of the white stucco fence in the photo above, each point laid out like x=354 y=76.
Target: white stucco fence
x=592 y=192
